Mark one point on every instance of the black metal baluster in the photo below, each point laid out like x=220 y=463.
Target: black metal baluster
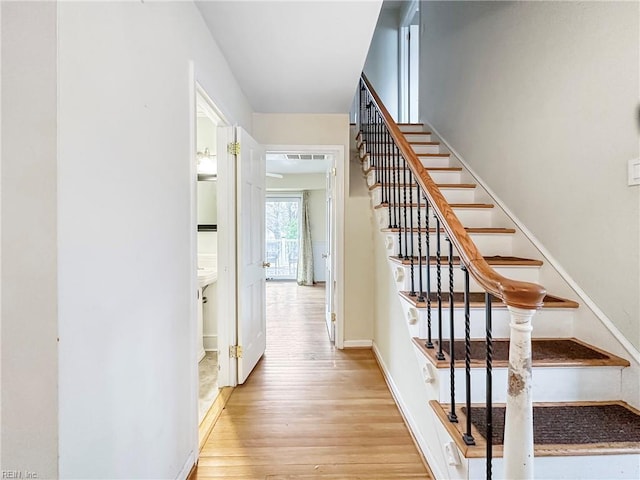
x=387 y=173
x=376 y=146
x=467 y=437
x=452 y=358
x=396 y=188
x=393 y=211
x=489 y=401
x=429 y=343
x=420 y=290
x=404 y=206
x=440 y=355
x=410 y=227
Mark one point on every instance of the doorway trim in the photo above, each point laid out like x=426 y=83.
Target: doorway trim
x=338 y=152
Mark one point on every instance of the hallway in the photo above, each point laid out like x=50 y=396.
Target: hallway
x=309 y=411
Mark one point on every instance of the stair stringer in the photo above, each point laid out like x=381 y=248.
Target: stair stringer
x=400 y=364
x=590 y=323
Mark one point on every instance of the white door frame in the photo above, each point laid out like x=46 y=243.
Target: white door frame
x=339 y=200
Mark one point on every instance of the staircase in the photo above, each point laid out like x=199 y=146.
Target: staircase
x=471 y=330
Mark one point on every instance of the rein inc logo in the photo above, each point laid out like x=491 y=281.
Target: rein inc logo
x=18 y=474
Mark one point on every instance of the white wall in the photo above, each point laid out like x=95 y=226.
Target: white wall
x=29 y=306
x=332 y=129
x=541 y=98
x=381 y=65
x=127 y=409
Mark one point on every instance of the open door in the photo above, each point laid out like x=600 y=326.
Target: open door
x=328 y=256
x=251 y=265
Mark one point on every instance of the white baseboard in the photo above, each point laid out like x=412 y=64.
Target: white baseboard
x=186 y=468
x=357 y=343
x=406 y=414
x=588 y=302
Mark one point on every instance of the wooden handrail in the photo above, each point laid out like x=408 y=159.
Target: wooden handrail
x=514 y=293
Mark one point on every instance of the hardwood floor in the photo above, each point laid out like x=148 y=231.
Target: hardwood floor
x=309 y=411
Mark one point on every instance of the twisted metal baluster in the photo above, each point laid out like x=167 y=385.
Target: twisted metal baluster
x=429 y=343
x=452 y=360
x=388 y=171
x=404 y=207
x=467 y=437
x=440 y=355
x=410 y=226
x=489 y=401
x=420 y=290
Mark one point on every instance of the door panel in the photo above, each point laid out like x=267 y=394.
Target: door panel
x=251 y=253
x=329 y=274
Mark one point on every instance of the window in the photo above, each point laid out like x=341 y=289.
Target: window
x=282 y=236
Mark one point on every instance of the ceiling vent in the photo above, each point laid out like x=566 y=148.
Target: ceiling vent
x=305 y=156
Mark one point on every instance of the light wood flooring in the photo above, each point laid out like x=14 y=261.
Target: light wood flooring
x=309 y=411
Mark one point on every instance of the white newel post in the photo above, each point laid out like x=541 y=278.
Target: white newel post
x=518 y=428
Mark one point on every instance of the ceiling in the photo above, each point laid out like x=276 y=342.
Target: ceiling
x=301 y=56
x=297 y=163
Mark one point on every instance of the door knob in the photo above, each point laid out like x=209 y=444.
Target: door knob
x=266 y=264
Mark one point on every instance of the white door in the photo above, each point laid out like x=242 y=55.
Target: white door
x=328 y=256
x=251 y=176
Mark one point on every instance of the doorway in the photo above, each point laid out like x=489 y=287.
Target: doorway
x=300 y=221
x=409 y=42
x=210 y=226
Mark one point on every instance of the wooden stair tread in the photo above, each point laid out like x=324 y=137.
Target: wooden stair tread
x=494 y=230
x=560 y=429
x=412 y=142
x=495 y=260
x=439 y=185
x=452 y=205
x=432 y=169
x=476 y=299
x=545 y=352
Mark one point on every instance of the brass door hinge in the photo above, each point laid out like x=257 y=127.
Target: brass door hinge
x=233 y=148
x=333 y=317
x=235 y=351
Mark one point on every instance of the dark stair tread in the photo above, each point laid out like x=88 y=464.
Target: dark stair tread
x=439 y=185
x=495 y=260
x=572 y=428
x=468 y=229
x=452 y=205
x=549 y=352
x=476 y=299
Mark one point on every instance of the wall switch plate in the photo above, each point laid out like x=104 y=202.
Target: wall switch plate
x=634 y=171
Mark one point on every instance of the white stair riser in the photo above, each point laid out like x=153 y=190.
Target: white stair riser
x=550 y=384
x=488 y=244
x=407 y=128
x=427 y=162
x=470 y=217
x=452 y=195
x=417 y=137
x=604 y=467
x=402 y=274
x=422 y=148
x=548 y=322
x=402 y=176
